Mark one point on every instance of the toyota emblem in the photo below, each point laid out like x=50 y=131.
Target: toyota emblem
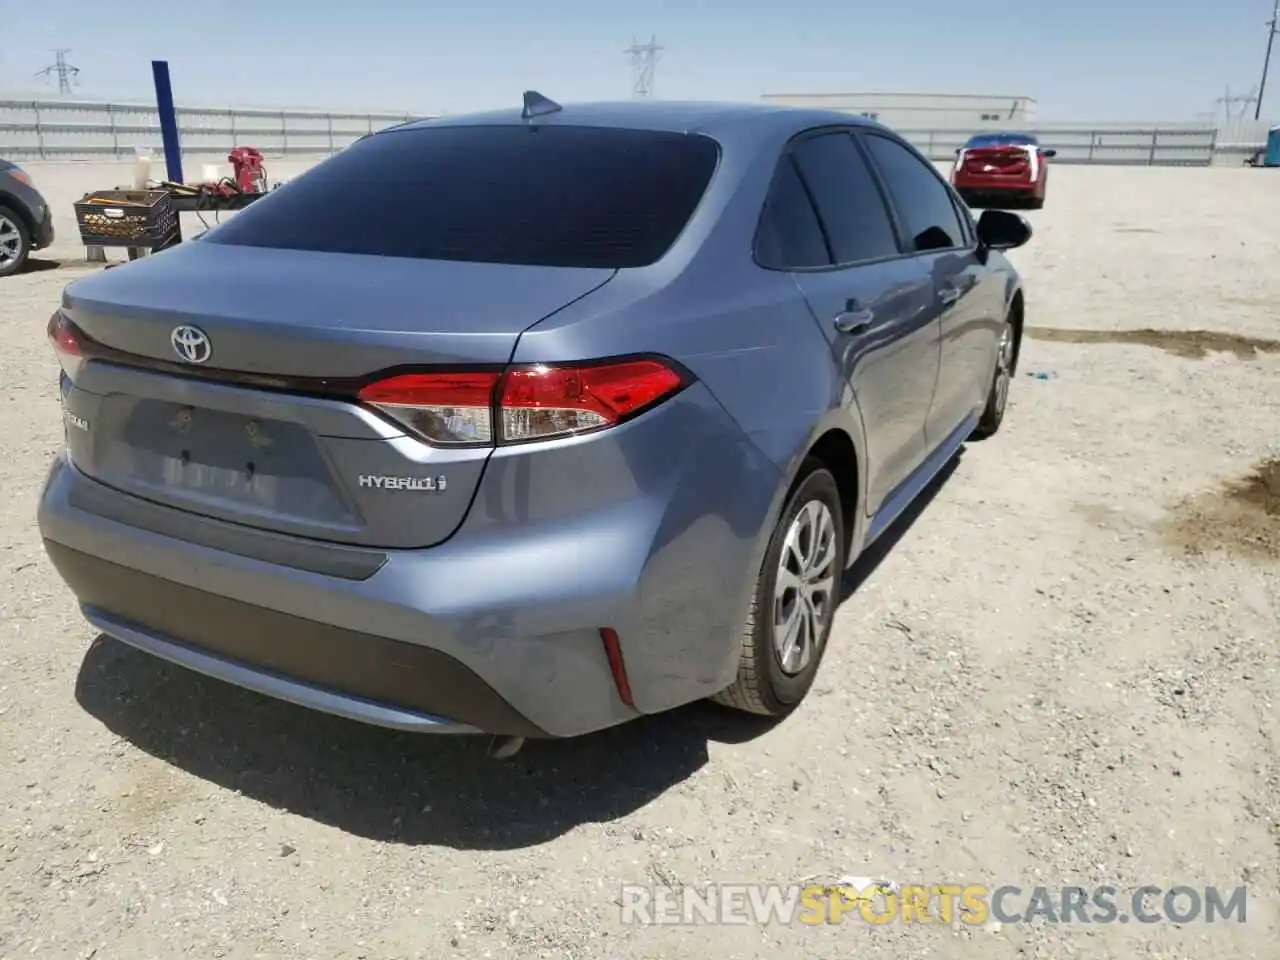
x=191 y=344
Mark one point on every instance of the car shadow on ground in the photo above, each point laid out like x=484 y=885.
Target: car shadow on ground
x=405 y=788
x=39 y=265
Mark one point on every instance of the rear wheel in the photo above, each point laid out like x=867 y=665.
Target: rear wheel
x=998 y=396
x=795 y=600
x=15 y=244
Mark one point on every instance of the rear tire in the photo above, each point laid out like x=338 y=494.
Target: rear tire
x=15 y=242
x=806 y=557
x=998 y=395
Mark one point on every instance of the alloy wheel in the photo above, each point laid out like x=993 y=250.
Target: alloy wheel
x=1004 y=367
x=804 y=588
x=10 y=241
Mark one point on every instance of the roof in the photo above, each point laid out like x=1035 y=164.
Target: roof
x=683 y=116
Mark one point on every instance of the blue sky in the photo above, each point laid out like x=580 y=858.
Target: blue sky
x=1081 y=59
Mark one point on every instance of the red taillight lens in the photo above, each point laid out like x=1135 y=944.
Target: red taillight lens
x=539 y=402
x=62 y=335
x=453 y=409
x=66 y=343
x=525 y=403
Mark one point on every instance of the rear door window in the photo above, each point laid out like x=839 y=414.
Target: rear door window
x=850 y=206
x=790 y=236
x=921 y=198
x=549 y=195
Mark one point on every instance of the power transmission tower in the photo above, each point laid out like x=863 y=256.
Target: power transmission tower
x=643 y=58
x=66 y=73
x=1266 y=60
x=1235 y=106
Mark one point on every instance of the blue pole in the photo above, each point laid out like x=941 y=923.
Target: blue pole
x=168 y=120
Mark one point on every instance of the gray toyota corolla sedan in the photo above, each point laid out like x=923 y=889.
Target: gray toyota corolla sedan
x=529 y=422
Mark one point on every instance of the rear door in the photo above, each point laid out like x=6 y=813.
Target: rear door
x=870 y=302
x=967 y=299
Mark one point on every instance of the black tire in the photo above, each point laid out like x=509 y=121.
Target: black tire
x=997 y=398
x=15 y=242
x=763 y=685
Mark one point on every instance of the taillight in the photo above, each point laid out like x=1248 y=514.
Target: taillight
x=66 y=344
x=449 y=409
x=541 y=401
x=21 y=176
x=530 y=402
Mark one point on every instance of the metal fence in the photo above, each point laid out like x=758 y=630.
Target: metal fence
x=1240 y=137
x=87 y=130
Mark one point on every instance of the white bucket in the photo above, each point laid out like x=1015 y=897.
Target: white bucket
x=141 y=168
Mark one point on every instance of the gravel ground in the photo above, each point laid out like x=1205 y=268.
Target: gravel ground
x=1061 y=670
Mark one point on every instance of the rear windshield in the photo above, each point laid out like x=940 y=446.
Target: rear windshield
x=549 y=196
x=1002 y=140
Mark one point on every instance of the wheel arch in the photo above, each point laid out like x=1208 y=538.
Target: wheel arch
x=838 y=441
x=11 y=202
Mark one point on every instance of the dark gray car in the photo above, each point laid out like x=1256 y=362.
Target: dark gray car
x=26 y=222
x=586 y=421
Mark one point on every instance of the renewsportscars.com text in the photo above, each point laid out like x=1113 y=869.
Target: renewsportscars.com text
x=944 y=903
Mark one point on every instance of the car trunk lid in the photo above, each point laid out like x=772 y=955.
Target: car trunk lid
x=997 y=161
x=265 y=431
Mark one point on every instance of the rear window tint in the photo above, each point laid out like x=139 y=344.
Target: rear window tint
x=1002 y=140
x=548 y=196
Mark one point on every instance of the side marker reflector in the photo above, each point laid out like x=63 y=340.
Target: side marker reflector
x=613 y=650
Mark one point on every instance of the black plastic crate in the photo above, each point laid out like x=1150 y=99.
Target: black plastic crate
x=126 y=218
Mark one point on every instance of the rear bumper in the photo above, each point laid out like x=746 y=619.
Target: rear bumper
x=380 y=681
x=496 y=630
x=977 y=183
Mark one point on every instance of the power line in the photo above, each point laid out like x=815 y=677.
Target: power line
x=644 y=56
x=1266 y=60
x=67 y=73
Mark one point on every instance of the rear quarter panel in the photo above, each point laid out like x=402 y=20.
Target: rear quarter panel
x=748 y=337
x=744 y=331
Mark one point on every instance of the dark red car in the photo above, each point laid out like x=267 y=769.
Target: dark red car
x=1002 y=170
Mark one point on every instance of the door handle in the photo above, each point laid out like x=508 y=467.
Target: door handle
x=855 y=320
x=948 y=295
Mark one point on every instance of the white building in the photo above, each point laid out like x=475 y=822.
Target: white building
x=908 y=112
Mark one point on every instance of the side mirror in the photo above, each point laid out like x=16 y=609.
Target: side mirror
x=1002 y=230
x=958 y=151
x=1049 y=153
